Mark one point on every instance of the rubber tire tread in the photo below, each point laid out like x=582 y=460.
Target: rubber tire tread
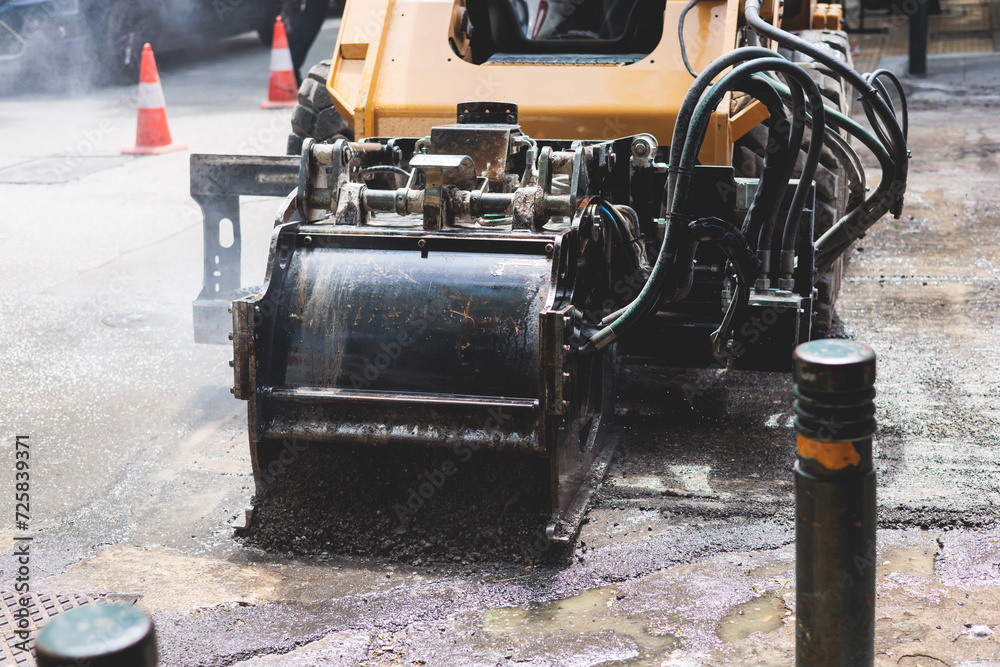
x=315 y=115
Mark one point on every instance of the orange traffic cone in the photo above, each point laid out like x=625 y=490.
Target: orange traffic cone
x=282 y=91
x=152 y=135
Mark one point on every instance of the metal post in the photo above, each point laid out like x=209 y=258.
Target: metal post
x=834 y=504
x=918 y=38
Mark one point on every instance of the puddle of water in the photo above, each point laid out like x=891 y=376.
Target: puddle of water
x=916 y=561
x=763 y=614
x=591 y=612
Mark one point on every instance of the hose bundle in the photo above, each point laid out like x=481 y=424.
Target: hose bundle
x=754 y=70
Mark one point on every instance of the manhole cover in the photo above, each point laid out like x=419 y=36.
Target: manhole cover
x=41 y=609
x=59 y=169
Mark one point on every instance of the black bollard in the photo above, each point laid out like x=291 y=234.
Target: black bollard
x=918 y=39
x=98 y=635
x=834 y=504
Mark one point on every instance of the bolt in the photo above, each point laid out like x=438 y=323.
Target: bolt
x=422 y=243
x=549 y=248
x=307 y=239
x=230 y=335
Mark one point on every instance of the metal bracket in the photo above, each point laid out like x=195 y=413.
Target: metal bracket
x=217 y=182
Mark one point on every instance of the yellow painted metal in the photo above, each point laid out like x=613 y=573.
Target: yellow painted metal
x=746 y=119
x=394 y=73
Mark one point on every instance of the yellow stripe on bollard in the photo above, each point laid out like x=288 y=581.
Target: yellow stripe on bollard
x=831 y=455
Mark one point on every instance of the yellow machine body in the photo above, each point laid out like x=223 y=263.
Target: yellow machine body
x=396 y=71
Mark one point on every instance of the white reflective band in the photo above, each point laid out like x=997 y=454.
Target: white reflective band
x=151 y=96
x=281 y=60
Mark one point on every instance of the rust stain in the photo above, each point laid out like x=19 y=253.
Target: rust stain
x=832 y=455
x=465 y=315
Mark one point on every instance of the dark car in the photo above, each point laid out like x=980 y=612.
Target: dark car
x=119 y=28
x=32 y=28
x=105 y=37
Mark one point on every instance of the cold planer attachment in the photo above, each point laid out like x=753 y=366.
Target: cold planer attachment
x=445 y=312
x=386 y=336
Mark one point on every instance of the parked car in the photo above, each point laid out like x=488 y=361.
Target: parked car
x=30 y=29
x=105 y=37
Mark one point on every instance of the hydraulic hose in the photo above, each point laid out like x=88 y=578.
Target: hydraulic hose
x=676 y=255
x=677 y=236
x=856 y=222
x=799 y=114
x=884 y=73
x=745 y=263
x=677 y=231
x=680 y=36
x=877 y=109
x=766 y=203
x=702 y=117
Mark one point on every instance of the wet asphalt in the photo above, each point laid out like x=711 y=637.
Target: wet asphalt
x=141 y=467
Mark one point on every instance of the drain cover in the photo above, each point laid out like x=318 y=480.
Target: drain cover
x=41 y=609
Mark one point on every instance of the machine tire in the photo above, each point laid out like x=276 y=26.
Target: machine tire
x=315 y=116
x=832 y=190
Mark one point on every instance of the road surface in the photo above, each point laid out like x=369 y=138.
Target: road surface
x=140 y=467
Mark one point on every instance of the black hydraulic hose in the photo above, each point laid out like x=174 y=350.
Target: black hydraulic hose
x=384 y=169
x=766 y=203
x=799 y=114
x=879 y=73
x=701 y=82
x=745 y=263
x=677 y=249
x=884 y=73
x=854 y=170
x=856 y=222
x=872 y=101
x=877 y=126
x=650 y=294
x=680 y=35
x=702 y=118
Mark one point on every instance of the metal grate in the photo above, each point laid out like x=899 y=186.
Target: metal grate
x=41 y=609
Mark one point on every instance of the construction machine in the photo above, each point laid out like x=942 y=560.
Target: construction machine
x=493 y=205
